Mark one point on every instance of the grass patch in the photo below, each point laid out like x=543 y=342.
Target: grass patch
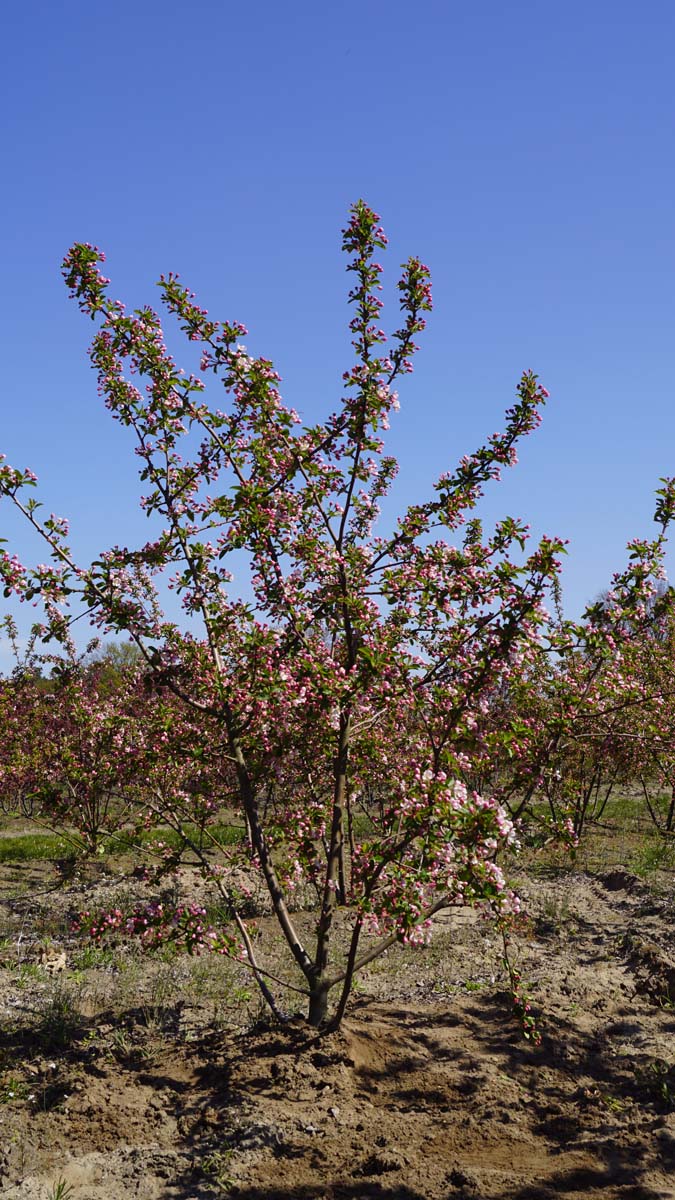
x=657 y=855
x=225 y=835
x=27 y=847
x=30 y=847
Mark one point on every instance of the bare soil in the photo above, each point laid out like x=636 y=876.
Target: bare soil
x=157 y=1079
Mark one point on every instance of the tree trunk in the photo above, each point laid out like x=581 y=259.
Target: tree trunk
x=671 y=811
x=318 y=1005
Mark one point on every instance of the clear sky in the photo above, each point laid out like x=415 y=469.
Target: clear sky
x=524 y=151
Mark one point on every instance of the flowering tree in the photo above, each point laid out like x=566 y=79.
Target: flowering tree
x=349 y=693
x=69 y=756
x=593 y=710
x=646 y=727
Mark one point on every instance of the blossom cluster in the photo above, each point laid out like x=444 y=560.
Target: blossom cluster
x=157 y=924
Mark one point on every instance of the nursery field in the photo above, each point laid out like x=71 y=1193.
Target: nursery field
x=322 y=783
x=159 y=1077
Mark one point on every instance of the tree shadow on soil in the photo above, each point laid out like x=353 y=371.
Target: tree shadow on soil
x=568 y=1056
x=568 y=1183
x=572 y=1069
x=577 y=1073
x=572 y=1055
x=66 y=1033
x=318 y=1191
x=582 y=1182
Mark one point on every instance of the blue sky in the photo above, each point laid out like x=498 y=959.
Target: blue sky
x=524 y=151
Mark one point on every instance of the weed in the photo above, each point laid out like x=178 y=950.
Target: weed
x=121 y=1044
x=12 y=1089
x=59 y=1019
x=163 y=989
x=93 y=956
x=230 y=1007
x=657 y=1079
x=28 y=973
x=168 y=952
x=129 y=1047
x=555 y=914
x=663 y=1083
x=61 y=1190
x=659 y=856
x=205 y=978
x=216 y=1166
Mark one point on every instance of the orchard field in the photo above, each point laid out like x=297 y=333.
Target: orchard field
x=354 y=878
x=124 y=1074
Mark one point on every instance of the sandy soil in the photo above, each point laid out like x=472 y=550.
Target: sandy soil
x=123 y=1078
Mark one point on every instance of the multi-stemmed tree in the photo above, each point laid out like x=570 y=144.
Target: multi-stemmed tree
x=349 y=689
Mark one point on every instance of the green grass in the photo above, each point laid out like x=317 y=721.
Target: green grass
x=61 y=1191
x=94 y=956
x=654 y=855
x=226 y=835
x=28 y=847
x=12 y=1089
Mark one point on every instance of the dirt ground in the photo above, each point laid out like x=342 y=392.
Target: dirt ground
x=126 y=1078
